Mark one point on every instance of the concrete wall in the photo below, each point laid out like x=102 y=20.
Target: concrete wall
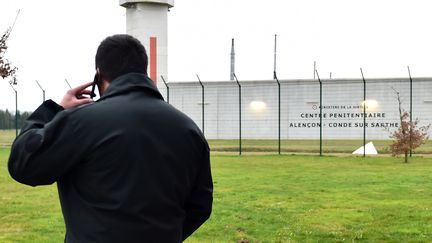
x=342 y=107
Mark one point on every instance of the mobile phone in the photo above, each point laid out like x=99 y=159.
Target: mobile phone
x=95 y=82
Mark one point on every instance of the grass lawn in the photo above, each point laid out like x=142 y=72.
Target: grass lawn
x=270 y=198
x=301 y=146
x=6 y=138
x=331 y=146
x=28 y=214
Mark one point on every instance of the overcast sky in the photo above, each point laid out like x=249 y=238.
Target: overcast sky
x=54 y=40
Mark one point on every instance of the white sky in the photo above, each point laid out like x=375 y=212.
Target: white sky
x=54 y=40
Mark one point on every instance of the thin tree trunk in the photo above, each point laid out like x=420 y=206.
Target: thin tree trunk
x=406 y=156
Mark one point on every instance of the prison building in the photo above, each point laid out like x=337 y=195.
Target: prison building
x=344 y=109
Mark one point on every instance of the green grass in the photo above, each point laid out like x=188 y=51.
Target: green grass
x=270 y=198
x=311 y=199
x=305 y=146
x=302 y=146
x=28 y=214
x=6 y=138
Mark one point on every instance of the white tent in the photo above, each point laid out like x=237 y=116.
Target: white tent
x=370 y=149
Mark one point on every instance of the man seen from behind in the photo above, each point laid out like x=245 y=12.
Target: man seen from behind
x=129 y=167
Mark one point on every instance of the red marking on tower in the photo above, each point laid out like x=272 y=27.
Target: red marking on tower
x=153 y=59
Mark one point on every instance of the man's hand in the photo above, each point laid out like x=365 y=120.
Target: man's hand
x=75 y=97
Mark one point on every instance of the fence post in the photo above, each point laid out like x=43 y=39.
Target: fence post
x=240 y=135
x=314 y=70
x=43 y=91
x=321 y=115
x=70 y=87
x=167 y=87
x=16 y=110
x=279 y=113
x=202 y=102
x=364 y=113
x=409 y=72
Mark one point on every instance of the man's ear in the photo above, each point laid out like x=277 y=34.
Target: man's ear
x=103 y=86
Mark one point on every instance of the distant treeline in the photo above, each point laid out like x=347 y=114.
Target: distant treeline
x=7 y=119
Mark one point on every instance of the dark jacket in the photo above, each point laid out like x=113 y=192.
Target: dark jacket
x=129 y=167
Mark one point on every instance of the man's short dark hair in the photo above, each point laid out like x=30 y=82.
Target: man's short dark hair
x=121 y=54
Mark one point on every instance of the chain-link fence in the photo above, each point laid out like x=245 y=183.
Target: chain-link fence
x=262 y=116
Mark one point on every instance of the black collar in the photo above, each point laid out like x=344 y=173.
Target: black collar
x=131 y=82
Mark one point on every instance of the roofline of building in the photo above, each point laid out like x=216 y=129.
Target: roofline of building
x=304 y=81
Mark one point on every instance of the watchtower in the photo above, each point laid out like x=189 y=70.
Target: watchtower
x=147 y=20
